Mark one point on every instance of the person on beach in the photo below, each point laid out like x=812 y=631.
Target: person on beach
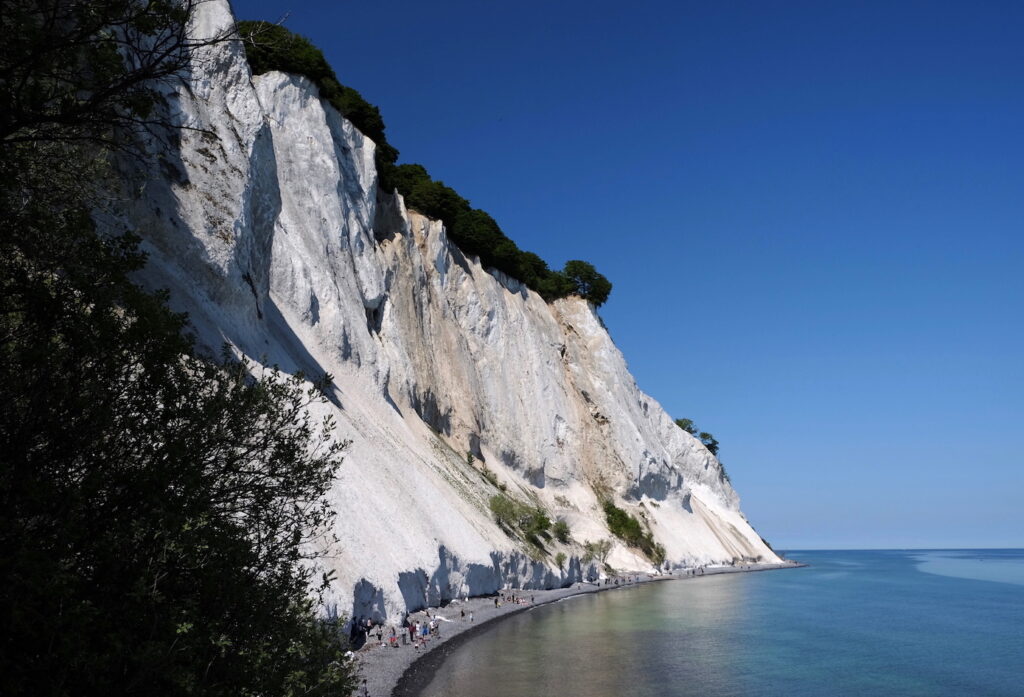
x=470 y=615
x=495 y=602
x=462 y=612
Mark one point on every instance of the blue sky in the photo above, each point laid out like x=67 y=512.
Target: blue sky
x=812 y=214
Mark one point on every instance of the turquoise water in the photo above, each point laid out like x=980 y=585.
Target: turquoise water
x=932 y=623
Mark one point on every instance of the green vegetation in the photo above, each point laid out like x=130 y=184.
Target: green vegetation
x=517 y=517
x=154 y=504
x=597 y=550
x=703 y=436
x=272 y=47
x=561 y=531
x=492 y=478
x=560 y=561
x=629 y=530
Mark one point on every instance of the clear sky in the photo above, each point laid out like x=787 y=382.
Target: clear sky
x=812 y=214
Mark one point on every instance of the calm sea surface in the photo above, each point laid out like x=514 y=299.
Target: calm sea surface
x=931 y=623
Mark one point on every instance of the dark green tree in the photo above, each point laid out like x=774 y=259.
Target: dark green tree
x=704 y=437
x=709 y=442
x=155 y=505
x=89 y=70
x=561 y=531
x=587 y=282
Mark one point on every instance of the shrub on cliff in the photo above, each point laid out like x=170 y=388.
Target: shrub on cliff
x=587 y=282
x=709 y=441
x=561 y=531
x=628 y=529
x=531 y=522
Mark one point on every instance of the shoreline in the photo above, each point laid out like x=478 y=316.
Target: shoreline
x=404 y=671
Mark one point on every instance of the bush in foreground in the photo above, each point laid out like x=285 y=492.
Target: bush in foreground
x=154 y=504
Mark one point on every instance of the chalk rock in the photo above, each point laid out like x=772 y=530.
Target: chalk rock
x=265 y=222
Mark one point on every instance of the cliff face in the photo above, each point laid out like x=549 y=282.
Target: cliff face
x=267 y=226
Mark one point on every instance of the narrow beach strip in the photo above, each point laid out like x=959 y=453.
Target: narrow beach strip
x=403 y=671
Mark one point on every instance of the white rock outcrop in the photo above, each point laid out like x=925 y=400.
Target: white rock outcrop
x=264 y=220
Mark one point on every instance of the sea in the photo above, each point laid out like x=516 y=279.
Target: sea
x=933 y=623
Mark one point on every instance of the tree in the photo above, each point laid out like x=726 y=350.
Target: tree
x=597 y=550
x=156 y=507
x=587 y=282
x=709 y=442
x=90 y=70
x=704 y=437
x=560 y=561
x=561 y=531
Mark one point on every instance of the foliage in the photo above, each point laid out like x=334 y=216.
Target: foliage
x=709 y=442
x=531 y=521
x=587 y=282
x=561 y=531
x=155 y=507
x=704 y=437
x=560 y=560
x=492 y=478
x=272 y=47
x=597 y=550
x=88 y=70
x=629 y=530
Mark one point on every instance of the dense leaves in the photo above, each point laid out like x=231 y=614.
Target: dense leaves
x=517 y=517
x=155 y=506
x=88 y=69
x=629 y=530
x=704 y=437
x=272 y=47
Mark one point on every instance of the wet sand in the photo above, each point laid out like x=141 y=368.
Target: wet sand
x=404 y=671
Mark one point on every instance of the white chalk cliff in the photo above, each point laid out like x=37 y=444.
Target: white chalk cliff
x=267 y=226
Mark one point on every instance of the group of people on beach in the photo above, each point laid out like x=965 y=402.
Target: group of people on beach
x=511 y=598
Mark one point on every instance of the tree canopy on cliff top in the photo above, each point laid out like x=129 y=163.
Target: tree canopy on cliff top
x=272 y=47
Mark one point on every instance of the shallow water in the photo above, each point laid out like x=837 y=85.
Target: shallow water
x=854 y=623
